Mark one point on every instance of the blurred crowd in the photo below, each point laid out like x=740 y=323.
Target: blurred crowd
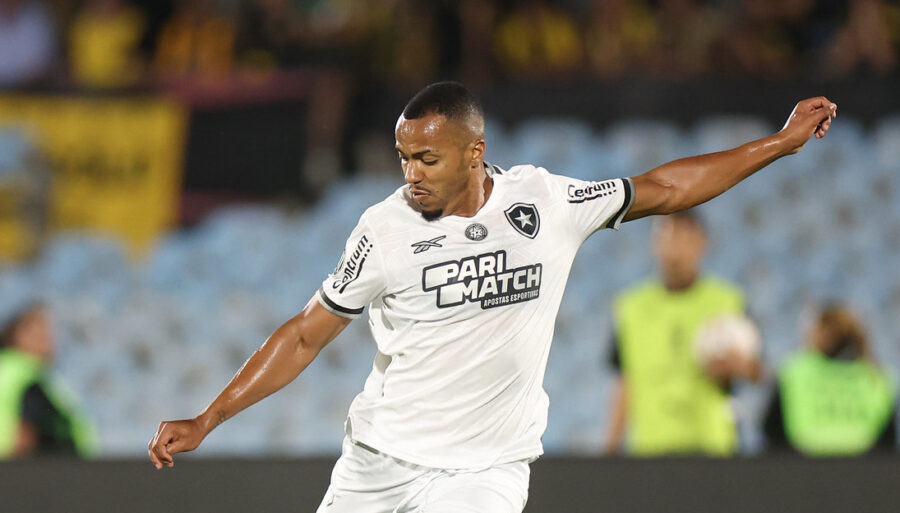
x=345 y=56
x=127 y=43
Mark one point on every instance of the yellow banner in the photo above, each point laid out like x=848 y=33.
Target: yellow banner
x=17 y=237
x=116 y=163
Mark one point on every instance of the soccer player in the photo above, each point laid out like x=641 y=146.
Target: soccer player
x=669 y=402
x=463 y=269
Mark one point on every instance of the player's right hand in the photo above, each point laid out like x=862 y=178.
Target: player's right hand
x=173 y=437
x=810 y=117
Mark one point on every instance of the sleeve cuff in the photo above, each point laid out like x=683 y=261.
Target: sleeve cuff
x=628 y=200
x=336 y=309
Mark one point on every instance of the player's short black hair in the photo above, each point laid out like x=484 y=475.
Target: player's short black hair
x=449 y=99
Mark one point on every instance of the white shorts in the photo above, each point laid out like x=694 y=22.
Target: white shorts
x=367 y=481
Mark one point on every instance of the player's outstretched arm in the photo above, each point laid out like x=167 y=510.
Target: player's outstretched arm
x=684 y=183
x=280 y=359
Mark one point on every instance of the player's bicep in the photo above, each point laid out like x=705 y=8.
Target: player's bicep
x=650 y=197
x=317 y=326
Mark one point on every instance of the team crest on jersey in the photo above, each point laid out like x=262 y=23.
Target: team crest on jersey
x=350 y=266
x=484 y=279
x=476 y=232
x=524 y=218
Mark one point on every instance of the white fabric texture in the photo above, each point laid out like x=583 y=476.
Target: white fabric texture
x=366 y=481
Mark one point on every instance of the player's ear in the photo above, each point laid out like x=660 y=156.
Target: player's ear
x=476 y=153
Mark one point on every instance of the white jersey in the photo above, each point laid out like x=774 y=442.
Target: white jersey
x=462 y=310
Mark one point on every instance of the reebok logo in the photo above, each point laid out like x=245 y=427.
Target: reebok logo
x=425 y=245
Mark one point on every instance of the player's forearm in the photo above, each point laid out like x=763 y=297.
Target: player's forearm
x=286 y=353
x=695 y=180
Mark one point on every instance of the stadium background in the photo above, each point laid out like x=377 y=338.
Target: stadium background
x=177 y=177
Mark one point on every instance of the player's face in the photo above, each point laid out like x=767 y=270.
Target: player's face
x=436 y=156
x=679 y=246
x=34 y=334
x=819 y=338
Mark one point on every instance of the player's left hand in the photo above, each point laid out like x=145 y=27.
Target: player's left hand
x=810 y=117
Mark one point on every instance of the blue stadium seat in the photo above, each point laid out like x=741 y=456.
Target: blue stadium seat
x=561 y=146
x=15 y=150
x=646 y=143
x=726 y=132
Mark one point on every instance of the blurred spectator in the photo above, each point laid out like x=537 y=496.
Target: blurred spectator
x=666 y=400
x=537 y=40
x=832 y=398
x=404 y=47
x=687 y=30
x=809 y=26
x=477 y=19
x=27 y=42
x=268 y=34
x=196 y=42
x=620 y=35
x=104 y=45
x=754 y=42
x=863 y=43
x=415 y=47
x=37 y=415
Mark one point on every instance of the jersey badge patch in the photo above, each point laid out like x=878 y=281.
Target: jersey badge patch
x=524 y=218
x=425 y=245
x=476 y=232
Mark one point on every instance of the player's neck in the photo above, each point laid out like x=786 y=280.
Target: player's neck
x=474 y=196
x=681 y=285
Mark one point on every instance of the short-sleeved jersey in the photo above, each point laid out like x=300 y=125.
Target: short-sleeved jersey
x=462 y=310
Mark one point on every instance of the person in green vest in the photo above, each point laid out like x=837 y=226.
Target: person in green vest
x=665 y=401
x=37 y=414
x=832 y=398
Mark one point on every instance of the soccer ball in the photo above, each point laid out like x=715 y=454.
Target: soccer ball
x=718 y=336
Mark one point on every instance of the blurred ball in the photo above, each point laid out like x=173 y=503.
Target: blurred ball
x=722 y=335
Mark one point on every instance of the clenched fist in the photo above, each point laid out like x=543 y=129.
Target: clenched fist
x=173 y=437
x=810 y=117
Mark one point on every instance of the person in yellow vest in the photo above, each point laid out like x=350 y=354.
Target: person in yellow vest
x=832 y=398
x=196 y=42
x=665 y=401
x=104 y=45
x=37 y=414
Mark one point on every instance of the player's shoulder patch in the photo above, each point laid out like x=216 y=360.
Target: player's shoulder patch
x=587 y=191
